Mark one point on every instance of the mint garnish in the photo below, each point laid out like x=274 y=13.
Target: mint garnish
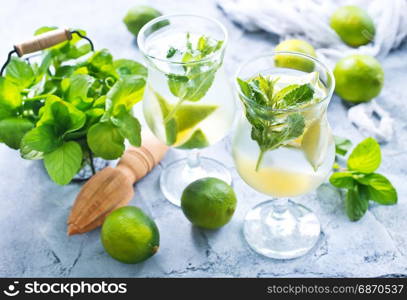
x=198 y=77
x=276 y=128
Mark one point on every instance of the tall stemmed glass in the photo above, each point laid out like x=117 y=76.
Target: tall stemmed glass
x=283 y=147
x=189 y=104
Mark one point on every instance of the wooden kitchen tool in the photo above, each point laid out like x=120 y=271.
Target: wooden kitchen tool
x=112 y=188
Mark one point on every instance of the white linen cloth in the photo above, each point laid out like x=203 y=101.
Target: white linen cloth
x=309 y=20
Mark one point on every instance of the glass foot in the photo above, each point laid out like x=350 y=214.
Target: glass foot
x=281 y=229
x=177 y=175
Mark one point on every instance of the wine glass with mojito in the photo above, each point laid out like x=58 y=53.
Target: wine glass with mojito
x=283 y=147
x=189 y=104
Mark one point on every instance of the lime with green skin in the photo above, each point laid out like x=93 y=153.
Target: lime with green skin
x=295 y=62
x=353 y=25
x=140 y=15
x=130 y=236
x=359 y=78
x=208 y=203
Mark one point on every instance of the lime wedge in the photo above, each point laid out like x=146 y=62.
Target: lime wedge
x=171 y=125
x=179 y=128
x=197 y=140
x=188 y=116
x=315 y=144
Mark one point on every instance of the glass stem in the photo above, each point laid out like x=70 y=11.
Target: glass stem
x=280 y=209
x=193 y=159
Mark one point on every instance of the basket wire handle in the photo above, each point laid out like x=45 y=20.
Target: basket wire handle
x=43 y=41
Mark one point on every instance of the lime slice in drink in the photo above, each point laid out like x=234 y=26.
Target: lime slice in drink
x=179 y=128
x=315 y=144
x=196 y=141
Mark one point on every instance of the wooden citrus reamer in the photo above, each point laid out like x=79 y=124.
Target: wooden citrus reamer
x=112 y=188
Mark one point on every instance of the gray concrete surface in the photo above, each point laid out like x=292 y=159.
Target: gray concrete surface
x=33 y=210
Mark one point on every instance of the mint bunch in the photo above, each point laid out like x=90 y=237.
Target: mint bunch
x=198 y=76
x=360 y=180
x=272 y=129
x=66 y=111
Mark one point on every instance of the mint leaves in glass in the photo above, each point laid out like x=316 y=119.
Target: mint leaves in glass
x=283 y=147
x=189 y=104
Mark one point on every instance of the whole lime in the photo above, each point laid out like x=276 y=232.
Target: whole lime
x=138 y=16
x=292 y=61
x=208 y=202
x=359 y=78
x=353 y=25
x=129 y=235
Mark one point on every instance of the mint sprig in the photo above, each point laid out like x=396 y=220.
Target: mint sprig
x=198 y=77
x=361 y=183
x=274 y=129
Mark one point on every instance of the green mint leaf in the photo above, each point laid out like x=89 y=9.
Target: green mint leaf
x=126 y=91
x=198 y=85
x=102 y=60
x=77 y=93
x=203 y=45
x=20 y=72
x=101 y=64
x=177 y=84
x=284 y=91
x=129 y=127
x=366 y=157
x=380 y=189
x=357 y=202
x=41 y=139
x=207 y=46
x=342 y=145
x=258 y=94
x=62 y=115
x=105 y=140
x=295 y=125
x=296 y=96
x=187 y=57
x=126 y=67
x=43 y=68
x=189 y=44
x=12 y=131
x=191 y=88
x=99 y=102
x=63 y=163
x=342 y=180
x=10 y=98
x=244 y=88
x=171 y=52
